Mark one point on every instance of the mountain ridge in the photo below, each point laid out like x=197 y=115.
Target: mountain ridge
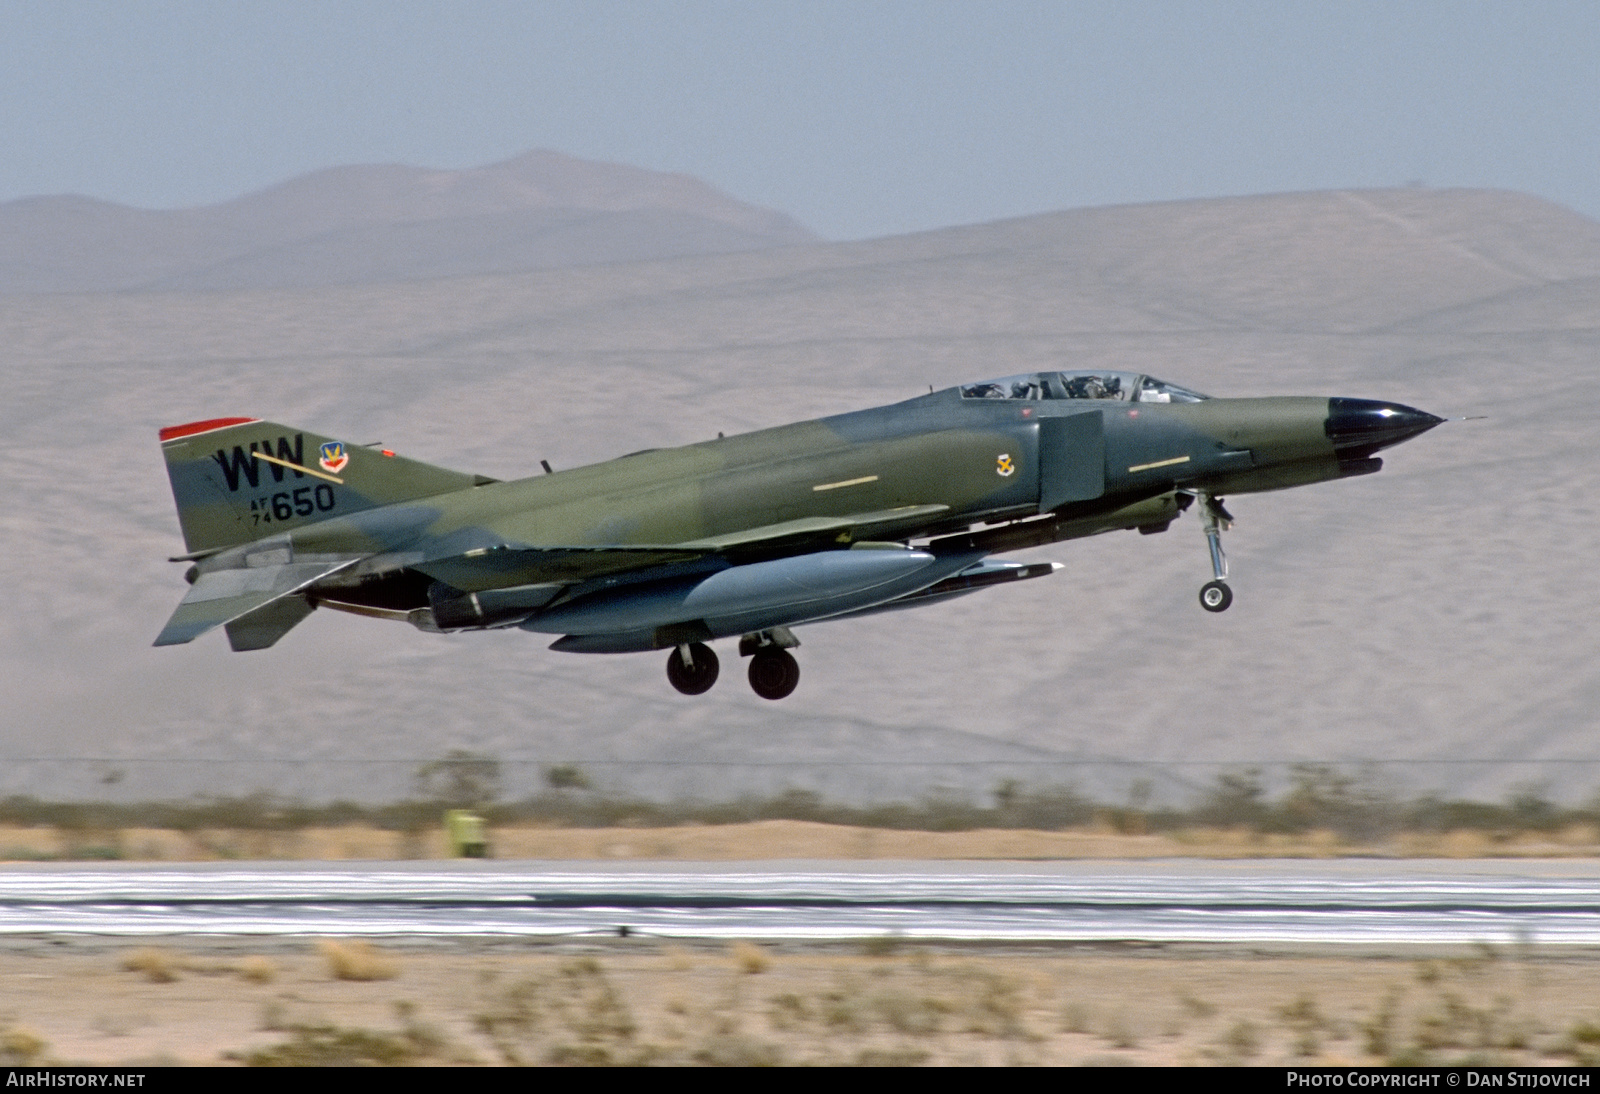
x=280 y=236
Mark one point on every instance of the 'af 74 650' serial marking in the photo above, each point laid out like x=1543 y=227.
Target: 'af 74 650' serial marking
x=302 y=501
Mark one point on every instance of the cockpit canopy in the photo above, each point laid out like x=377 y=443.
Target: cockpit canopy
x=1126 y=386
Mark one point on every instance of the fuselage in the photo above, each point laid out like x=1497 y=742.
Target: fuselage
x=983 y=460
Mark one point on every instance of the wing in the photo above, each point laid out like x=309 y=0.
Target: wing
x=500 y=567
x=260 y=604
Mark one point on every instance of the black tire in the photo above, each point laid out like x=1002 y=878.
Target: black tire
x=697 y=678
x=774 y=674
x=1215 y=596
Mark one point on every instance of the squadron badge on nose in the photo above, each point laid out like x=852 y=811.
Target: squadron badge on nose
x=1003 y=465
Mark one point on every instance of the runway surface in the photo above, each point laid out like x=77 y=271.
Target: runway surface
x=1335 y=901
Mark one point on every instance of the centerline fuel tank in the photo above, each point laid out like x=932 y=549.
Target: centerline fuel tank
x=746 y=598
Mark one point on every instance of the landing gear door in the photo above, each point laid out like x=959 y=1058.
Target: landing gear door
x=1072 y=459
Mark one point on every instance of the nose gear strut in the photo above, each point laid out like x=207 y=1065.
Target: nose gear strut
x=1215 y=595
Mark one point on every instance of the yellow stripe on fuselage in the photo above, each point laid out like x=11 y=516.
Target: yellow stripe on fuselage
x=849 y=482
x=1159 y=463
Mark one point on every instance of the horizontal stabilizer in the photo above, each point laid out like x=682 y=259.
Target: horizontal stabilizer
x=222 y=596
x=261 y=628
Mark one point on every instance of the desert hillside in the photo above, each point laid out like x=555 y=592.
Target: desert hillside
x=1436 y=620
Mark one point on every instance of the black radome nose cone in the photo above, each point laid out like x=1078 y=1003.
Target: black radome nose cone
x=1363 y=426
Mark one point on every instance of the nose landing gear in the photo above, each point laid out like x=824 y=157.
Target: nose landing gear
x=1215 y=595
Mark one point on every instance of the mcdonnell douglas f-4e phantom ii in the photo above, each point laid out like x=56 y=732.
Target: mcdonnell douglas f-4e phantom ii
x=741 y=537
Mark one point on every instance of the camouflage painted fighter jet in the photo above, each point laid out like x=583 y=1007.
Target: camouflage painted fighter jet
x=744 y=537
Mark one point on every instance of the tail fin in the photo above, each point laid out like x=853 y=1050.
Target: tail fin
x=240 y=479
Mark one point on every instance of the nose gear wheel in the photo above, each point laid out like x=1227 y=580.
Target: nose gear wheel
x=1215 y=596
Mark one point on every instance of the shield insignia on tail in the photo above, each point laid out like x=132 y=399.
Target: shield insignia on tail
x=333 y=456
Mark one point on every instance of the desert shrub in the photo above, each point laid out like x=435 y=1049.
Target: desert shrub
x=331 y=1046
x=257 y=969
x=750 y=958
x=357 y=959
x=567 y=777
x=159 y=966
x=1237 y=799
x=459 y=780
x=738 y=1050
x=575 y=1016
x=21 y=1047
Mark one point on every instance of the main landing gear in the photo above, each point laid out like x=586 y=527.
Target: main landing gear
x=1215 y=596
x=774 y=673
x=692 y=668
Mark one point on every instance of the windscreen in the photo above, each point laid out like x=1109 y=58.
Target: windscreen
x=1089 y=384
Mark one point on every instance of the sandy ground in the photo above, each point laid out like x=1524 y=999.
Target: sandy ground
x=197 y=1001
x=770 y=840
x=207 y=1001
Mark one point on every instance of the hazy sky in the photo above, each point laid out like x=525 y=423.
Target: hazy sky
x=859 y=118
